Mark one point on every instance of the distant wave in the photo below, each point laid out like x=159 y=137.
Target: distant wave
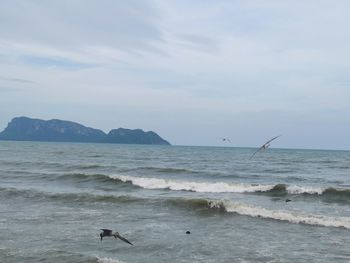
x=181 y=171
x=97 y=259
x=86 y=166
x=65 y=197
x=164 y=169
x=85 y=177
x=224 y=187
x=95 y=156
x=329 y=193
x=107 y=260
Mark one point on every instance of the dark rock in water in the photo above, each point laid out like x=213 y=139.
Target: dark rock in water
x=27 y=129
x=188 y=232
x=288 y=200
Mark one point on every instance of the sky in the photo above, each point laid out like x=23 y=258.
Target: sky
x=193 y=71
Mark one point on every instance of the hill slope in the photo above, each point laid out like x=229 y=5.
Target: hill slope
x=28 y=129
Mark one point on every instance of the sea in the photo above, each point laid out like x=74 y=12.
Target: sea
x=173 y=203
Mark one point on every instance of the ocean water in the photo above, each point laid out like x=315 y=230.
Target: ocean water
x=55 y=198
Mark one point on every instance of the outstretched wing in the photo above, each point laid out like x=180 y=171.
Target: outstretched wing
x=256 y=151
x=263 y=146
x=122 y=238
x=272 y=139
x=224 y=139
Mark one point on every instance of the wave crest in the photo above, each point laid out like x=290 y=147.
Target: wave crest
x=224 y=187
x=107 y=260
x=201 y=187
x=331 y=194
x=230 y=206
x=200 y=204
x=290 y=216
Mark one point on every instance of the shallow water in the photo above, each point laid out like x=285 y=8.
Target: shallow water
x=55 y=197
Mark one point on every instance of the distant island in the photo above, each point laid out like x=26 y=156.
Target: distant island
x=28 y=129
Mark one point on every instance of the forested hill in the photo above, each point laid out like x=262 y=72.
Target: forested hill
x=28 y=129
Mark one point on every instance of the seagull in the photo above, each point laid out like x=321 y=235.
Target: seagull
x=265 y=145
x=226 y=140
x=110 y=233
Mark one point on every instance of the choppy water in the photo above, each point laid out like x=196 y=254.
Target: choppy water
x=55 y=197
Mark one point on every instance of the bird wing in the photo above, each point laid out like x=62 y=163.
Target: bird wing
x=124 y=239
x=224 y=139
x=272 y=139
x=256 y=151
x=264 y=145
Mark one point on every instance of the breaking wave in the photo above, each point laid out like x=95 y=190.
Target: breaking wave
x=224 y=187
x=193 y=204
x=290 y=216
x=107 y=260
x=202 y=187
x=260 y=212
x=327 y=193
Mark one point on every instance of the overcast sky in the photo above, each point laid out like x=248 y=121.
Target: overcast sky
x=192 y=71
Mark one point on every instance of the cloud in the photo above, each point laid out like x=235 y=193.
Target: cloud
x=52 y=62
x=129 y=25
x=18 y=80
x=191 y=60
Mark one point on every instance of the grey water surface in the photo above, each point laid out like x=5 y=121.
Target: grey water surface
x=55 y=198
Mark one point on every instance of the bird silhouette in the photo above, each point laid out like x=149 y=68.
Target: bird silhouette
x=110 y=233
x=225 y=139
x=265 y=145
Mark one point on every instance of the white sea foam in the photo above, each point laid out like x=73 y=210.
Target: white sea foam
x=211 y=187
x=304 y=190
x=290 y=216
x=207 y=187
x=108 y=260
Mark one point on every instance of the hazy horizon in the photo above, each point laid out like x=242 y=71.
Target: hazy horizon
x=222 y=145
x=192 y=71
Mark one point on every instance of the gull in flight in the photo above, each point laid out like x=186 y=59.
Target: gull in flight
x=265 y=145
x=225 y=139
x=110 y=233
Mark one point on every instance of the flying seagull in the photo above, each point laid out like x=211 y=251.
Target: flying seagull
x=225 y=139
x=110 y=233
x=265 y=145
